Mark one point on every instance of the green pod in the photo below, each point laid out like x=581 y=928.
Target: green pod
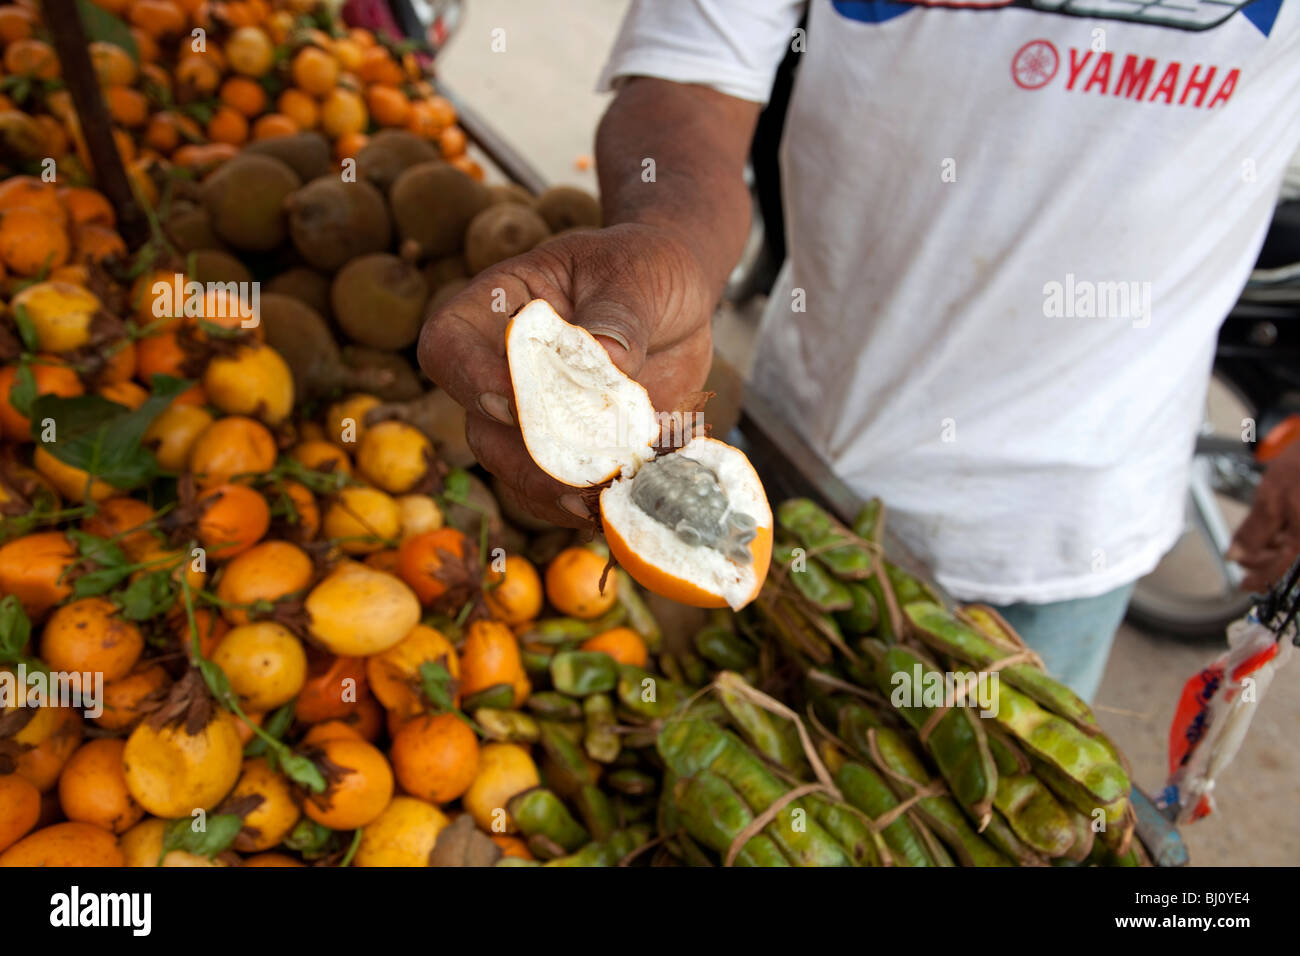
x=639 y=616
x=596 y=811
x=940 y=813
x=688 y=745
x=950 y=637
x=571 y=630
x=957 y=743
x=511 y=726
x=999 y=834
x=498 y=696
x=907 y=586
x=713 y=813
x=647 y=696
x=862 y=616
x=885 y=627
x=863 y=788
x=630 y=810
x=847 y=827
x=1076 y=795
x=630 y=782
x=1084 y=760
x=694 y=668
x=567 y=768
x=1034 y=814
x=536 y=663
x=776 y=738
x=869 y=522
x=667 y=819
x=822 y=589
x=553 y=705
x=595 y=853
x=724 y=649
x=580 y=673
x=601 y=741
x=1084 y=836
x=672 y=667
x=817 y=531
x=540 y=812
x=628 y=839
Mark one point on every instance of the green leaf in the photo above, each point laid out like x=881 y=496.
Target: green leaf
x=15 y=629
x=217 y=682
x=309 y=838
x=102 y=25
x=275 y=726
x=26 y=329
x=100 y=550
x=22 y=393
x=99 y=581
x=437 y=685
x=147 y=596
x=217 y=835
x=456 y=486
x=302 y=771
x=103 y=437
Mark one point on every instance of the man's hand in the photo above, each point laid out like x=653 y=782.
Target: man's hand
x=637 y=288
x=1269 y=539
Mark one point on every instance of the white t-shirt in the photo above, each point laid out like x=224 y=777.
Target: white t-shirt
x=1013 y=234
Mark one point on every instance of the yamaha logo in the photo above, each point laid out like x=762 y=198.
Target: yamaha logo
x=1035 y=64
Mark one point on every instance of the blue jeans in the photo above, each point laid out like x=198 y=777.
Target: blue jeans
x=1072 y=637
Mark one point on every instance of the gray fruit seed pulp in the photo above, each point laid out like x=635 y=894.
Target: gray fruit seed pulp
x=684 y=495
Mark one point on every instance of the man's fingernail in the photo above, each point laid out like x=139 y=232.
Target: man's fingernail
x=618 y=337
x=496 y=407
x=575 y=506
x=1235 y=553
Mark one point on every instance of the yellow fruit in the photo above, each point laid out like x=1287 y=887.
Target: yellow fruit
x=503 y=771
x=254 y=381
x=142 y=846
x=419 y=513
x=171 y=773
x=60 y=314
x=271 y=820
x=345 y=421
x=363 y=520
x=264 y=662
x=394 y=456
x=172 y=434
x=403 y=835
x=69 y=480
x=343 y=112
x=394 y=674
x=357 y=611
x=249 y=51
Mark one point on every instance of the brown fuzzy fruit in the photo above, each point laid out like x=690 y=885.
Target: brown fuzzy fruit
x=432 y=205
x=441 y=271
x=331 y=221
x=501 y=232
x=213 y=265
x=389 y=153
x=189 y=227
x=307 y=345
x=306 y=285
x=510 y=192
x=245 y=198
x=307 y=154
x=403 y=382
x=567 y=207
x=379 y=301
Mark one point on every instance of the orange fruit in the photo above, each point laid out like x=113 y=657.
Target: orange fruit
x=87 y=206
x=469 y=167
x=159 y=354
x=228 y=125
x=393 y=675
x=203 y=159
x=244 y=95
x=511 y=846
x=421 y=558
x=30 y=192
x=334 y=685
x=229 y=447
x=210 y=627
x=342 y=111
x=314 y=71
x=28 y=57
x=146 y=45
x=235 y=517
x=92 y=787
x=65 y=844
x=349 y=53
x=249 y=51
x=55 y=136
x=515 y=594
x=490 y=656
x=124 y=393
x=272 y=125
x=172 y=434
x=50 y=377
x=304 y=517
x=20 y=801
x=452 y=142
x=435 y=757
x=97 y=243
x=388 y=105
x=621 y=643
x=126 y=522
x=349 y=144
x=15 y=24
x=378 y=66
x=126 y=697
x=30 y=241
x=88 y=634
x=504 y=770
x=356 y=798
x=127 y=106
x=157 y=18
x=269 y=571
x=198 y=73
x=573 y=584
x=113 y=65
x=319 y=455
x=299 y=107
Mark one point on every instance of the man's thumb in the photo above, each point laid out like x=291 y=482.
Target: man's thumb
x=618 y=328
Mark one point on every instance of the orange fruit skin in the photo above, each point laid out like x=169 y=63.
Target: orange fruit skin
x=124 y=698
x=435 y=757
x=66 y=845
x=20 y=808
x=92 y=787
x=30 y=568
x=89 y=635
x=42 y=764
x=677 y=588
x=358 y=797
x=511 y=846
x=621 y=643
x=50 y=379
x=30 y=241
x=235 y=520
x=266 y=572
x=518 y=596
x=125 y=517
x=419 y=559
x=230 y=446
x=573 y=584
x=321 y=697
x=490 y=656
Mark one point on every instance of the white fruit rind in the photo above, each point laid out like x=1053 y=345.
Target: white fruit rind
x=583 y=421
x=658 y=545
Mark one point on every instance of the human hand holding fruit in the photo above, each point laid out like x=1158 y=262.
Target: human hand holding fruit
x=637 y=288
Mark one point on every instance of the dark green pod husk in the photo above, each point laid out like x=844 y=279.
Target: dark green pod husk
x=817 y=531
x=498 y=696
x=539 y=812
x=512 y=726
x=580 y=673
x=714 y=814
x=552 y=705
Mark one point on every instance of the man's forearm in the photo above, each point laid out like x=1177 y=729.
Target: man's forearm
x=698 y=139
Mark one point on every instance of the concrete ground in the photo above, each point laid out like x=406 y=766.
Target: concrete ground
x=539 y=93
